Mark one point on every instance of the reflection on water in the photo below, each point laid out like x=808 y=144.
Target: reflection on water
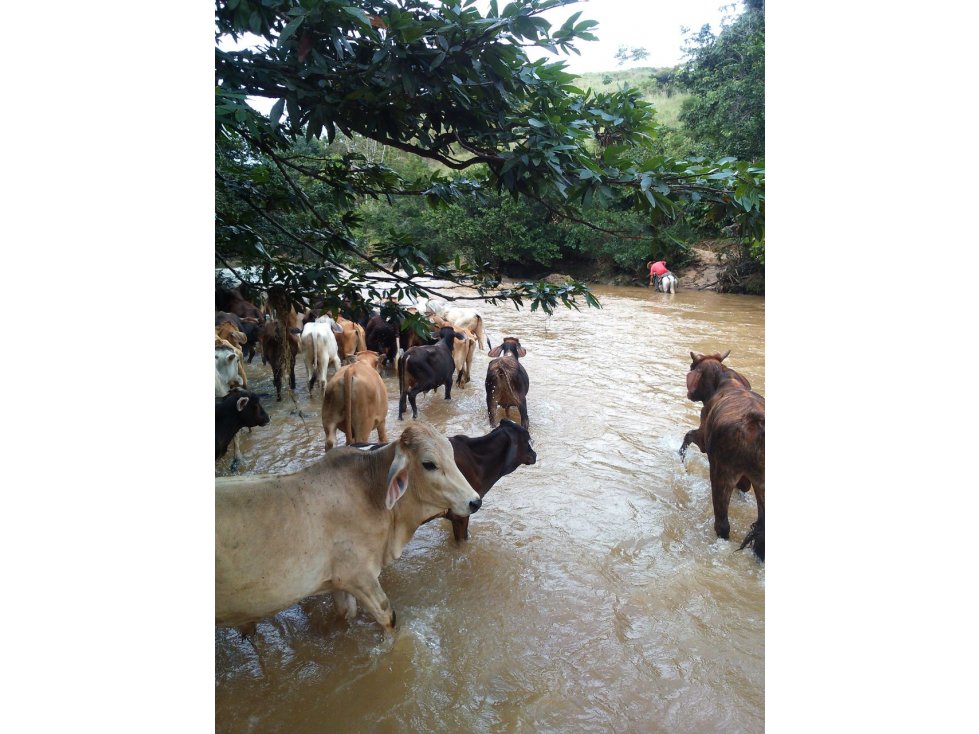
x=593 y=595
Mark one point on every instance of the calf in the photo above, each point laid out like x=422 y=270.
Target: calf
x=425 y=368
x=279 y=348
x=485 y=459
x=236 y=410
x=356 y=400
x=507 y=382
x=732 y=434
x=330 y=527
x=319 y=347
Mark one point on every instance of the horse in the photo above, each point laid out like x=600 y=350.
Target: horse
x=666 y=283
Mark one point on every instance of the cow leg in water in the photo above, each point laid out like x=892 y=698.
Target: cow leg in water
x=237 y=456
x=382 y=434
x=448 y=387
x=372 y=597
x=331 y=435
x=460 y=528
x=692 y=437
x=756 y=536
x=412 y=394
x=721 y=487
x=345 y=604
x=292 y=372
x=489 y=407
x=277 y=381
x=524 y=419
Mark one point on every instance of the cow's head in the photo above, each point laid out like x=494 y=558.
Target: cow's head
x=250 y=410
x=520 y=450
x=705 y=375
x=374 y=359
x=226 y=368
x=424 y=465
x=510 y=347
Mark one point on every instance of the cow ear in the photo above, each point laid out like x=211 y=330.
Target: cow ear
x=724 y=356
x=397 y=478
x=694 y=357
x=337 y=329
x=522 y=352
x=242 y=402
x=693 y=379
x=495 y=351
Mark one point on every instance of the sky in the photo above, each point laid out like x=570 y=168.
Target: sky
x=651 y=24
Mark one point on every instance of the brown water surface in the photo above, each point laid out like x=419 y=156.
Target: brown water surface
x=593 y=595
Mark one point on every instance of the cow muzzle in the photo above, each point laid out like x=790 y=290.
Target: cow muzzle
x=475 y=504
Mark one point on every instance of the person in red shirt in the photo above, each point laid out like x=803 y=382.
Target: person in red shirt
x=656 y=271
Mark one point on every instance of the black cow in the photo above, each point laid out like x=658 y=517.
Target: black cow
x=485 y=459
x=425 y=368
x=236 y=410
x=507 y=382
x=381 y=336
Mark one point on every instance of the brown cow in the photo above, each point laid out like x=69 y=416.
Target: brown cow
x=694 y=437
x=233 y=301
x=355 y=400
x=507 y=382
x=732 y=434
x=274 y=343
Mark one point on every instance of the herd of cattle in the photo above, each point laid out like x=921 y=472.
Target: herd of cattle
x=332 y=526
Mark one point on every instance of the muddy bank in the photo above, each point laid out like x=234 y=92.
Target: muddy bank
x=715 y=266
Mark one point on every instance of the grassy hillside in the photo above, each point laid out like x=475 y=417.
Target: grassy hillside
x=646 y=80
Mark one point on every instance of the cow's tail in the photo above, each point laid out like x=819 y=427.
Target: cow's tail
x=402 y=365
x=480 y=334
x=348 y=389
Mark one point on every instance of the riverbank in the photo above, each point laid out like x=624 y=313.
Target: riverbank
x=710 y=269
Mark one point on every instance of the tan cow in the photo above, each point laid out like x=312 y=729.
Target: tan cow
x=352 y=339
x=330 y=527
x=355 y=400
x=462 y=354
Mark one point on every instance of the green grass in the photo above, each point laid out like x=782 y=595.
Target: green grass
x=644 y=79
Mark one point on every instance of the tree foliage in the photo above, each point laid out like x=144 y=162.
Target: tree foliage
x=726 y=75
x=440 y=83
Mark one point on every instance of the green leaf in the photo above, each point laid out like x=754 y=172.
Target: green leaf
x=276 y=113
x=290 y=28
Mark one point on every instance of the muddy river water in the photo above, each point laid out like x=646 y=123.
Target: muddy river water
x=592 y=596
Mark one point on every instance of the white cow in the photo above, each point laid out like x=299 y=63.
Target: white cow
x=319 y=347
x=467 y=318
x=330 y=527
x=226 y=370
